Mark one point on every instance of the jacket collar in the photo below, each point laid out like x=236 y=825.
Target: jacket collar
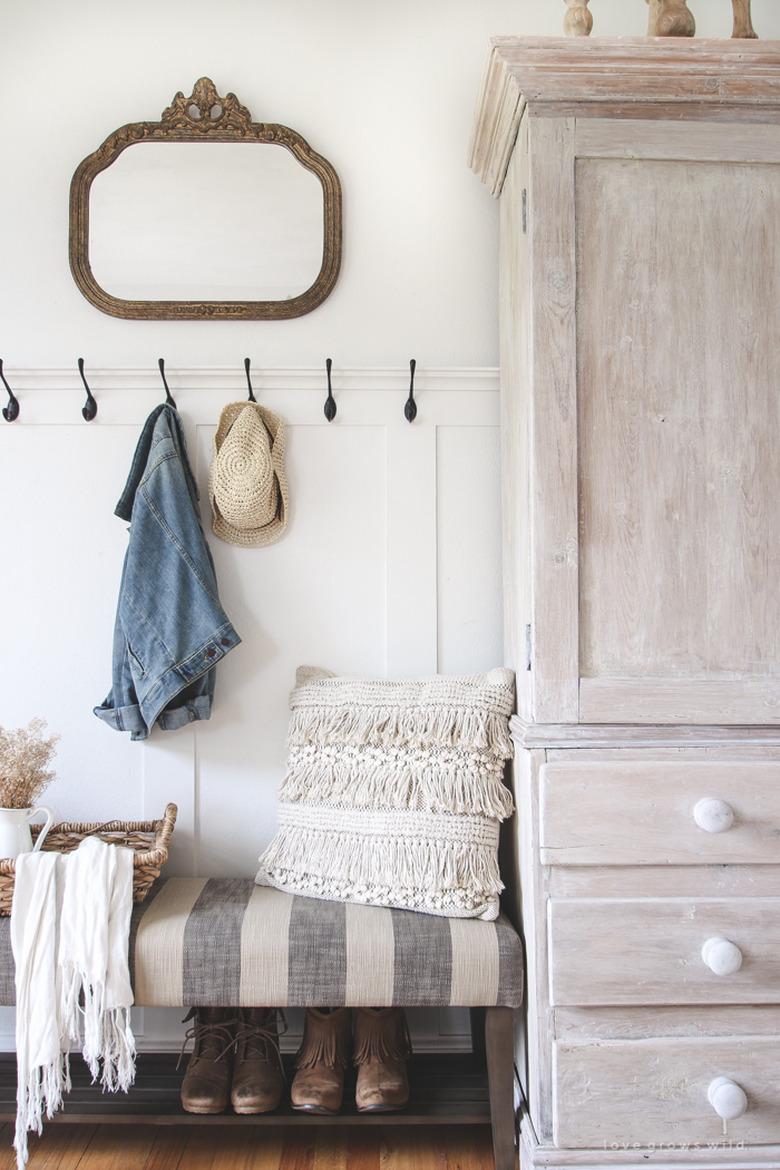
x=163 y=423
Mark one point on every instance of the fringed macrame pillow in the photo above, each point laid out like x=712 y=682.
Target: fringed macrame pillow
x=394 y=792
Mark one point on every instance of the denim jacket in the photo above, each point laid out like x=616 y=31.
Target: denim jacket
x=170 y=628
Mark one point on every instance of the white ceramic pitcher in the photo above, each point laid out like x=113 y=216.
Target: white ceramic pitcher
x=15 y=836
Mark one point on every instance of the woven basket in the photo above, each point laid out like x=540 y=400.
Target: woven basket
x=149 y=841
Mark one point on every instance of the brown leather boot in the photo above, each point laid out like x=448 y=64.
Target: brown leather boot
x=258 y=1075
x=207 y=1079
x=382 y=1048
x=318 y=1086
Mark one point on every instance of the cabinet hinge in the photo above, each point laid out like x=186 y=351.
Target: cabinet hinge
x=528 y=647
x=524 y=205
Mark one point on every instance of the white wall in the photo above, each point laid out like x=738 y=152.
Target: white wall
x=385 y=90
x=392 y=560
x=390 y=566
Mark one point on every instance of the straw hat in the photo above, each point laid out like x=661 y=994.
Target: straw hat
x=247 y=484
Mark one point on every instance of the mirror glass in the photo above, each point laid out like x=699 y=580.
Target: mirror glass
x=215 y=221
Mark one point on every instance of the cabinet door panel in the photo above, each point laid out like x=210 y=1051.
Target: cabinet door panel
x=678 y=345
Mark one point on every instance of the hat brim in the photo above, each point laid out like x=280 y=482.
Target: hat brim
x=247 y=537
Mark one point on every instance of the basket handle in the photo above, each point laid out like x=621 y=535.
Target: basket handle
x=169 y=820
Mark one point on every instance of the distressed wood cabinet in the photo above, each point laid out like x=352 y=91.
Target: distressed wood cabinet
x=641 y=357
x=640 y=276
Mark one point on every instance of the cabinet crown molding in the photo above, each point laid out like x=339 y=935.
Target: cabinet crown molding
x=620 y=77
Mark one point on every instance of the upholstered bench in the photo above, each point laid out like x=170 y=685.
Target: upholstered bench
x=228 y=942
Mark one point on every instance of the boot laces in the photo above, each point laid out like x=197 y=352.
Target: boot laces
x=220 y=1031
x=256 y=1041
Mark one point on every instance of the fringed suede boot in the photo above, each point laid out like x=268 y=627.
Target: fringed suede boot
x=258 y=1073
x=206 y=1082
x=318 y=1086
x=382 y=1048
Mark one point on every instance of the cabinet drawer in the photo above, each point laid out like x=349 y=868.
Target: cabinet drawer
x=660 y=812
x=651 y=951
x=656 y=1091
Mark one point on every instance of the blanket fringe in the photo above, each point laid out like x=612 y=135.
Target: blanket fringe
x=108 y=1044
x=69 y=926
x=41 y=1094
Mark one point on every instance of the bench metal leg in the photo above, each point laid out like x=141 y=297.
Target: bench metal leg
x=500 y=1051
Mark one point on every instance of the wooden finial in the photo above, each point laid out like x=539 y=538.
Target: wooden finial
x=578 y=20
x=670 y=18
x=743 y=25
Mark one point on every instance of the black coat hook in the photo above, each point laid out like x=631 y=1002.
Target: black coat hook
x=89 y=409
x=168 y=396
x=249 y=381
x=410 y=406
x=11 y=411
x=330 y=402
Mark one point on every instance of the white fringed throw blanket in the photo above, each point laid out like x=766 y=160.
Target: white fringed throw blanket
x=70 y=931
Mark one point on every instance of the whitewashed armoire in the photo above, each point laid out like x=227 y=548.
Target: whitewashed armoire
x=640 y=320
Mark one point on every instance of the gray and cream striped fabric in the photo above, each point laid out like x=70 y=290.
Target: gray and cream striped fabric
x=228 y=942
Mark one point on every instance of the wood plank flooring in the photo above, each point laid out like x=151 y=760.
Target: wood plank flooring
x=149 y=1147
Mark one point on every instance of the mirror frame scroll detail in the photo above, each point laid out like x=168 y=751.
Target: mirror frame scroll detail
x=204 y=116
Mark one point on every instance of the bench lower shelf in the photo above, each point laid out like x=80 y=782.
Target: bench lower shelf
x=445 y=1090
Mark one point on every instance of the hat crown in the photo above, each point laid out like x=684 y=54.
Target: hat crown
x=245 y=486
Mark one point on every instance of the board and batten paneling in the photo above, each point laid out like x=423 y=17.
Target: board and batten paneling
x=390 y=565
x=62 y=550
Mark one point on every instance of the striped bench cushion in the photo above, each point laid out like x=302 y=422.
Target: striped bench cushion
x=228 y=942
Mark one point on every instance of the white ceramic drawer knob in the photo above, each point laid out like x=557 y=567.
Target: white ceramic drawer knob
x=727 y=1098
x=713 y=816
x=721 y=956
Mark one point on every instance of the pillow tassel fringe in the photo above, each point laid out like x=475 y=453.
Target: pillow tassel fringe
x=429 y=788
x=394 y=792
x=395 y=726
x=364 y=863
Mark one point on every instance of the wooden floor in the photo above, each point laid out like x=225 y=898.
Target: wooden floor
x=148 y=1147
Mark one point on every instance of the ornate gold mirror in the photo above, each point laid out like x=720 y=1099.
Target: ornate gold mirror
x=198 y=225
